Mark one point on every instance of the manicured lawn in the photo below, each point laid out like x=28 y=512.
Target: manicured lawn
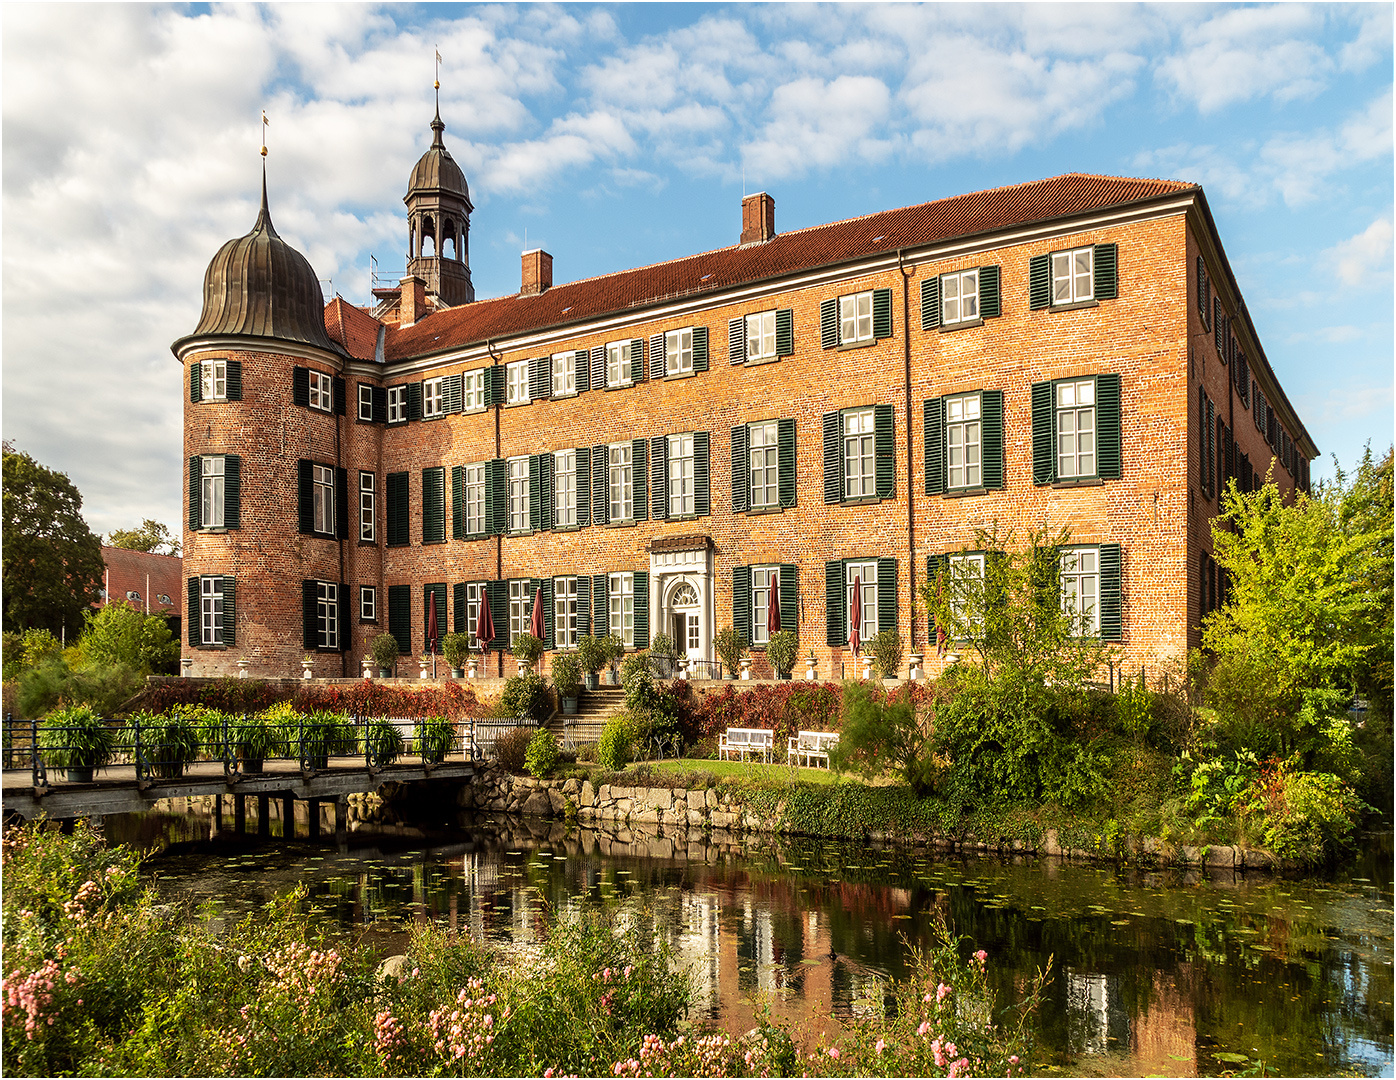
x=754 y=769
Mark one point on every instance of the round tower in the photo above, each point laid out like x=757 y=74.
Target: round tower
x=438 y=222
x=265 y=491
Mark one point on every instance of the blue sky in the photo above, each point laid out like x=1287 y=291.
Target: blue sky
x=615 y=136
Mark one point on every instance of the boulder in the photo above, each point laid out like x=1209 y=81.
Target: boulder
x=538 y=804
x=558 y=800
x=394 y=967
x=571 y=786
x=710 y=798
x=588 y=794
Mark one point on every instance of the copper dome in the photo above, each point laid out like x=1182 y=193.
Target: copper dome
x=436 y=170
x=260 y=286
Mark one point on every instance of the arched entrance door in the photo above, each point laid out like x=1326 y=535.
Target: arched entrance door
x=685 y=620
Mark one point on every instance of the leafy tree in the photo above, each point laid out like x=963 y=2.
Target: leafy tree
x=52 y=561
x=120 y=634
x=152 y=536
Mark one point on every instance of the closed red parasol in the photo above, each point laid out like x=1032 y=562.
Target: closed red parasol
x=484 y=625
x=855 y=612
x=432 y=631
x=773 y=608
x=536 y=627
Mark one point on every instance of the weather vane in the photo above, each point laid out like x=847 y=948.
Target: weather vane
x=265 y=122
x=436 y=82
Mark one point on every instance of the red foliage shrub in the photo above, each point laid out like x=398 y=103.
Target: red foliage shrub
x=784 y=707
x=369 y=698
x=227 y=695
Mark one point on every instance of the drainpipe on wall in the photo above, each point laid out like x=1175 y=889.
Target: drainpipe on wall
x=907 y=272
x=499 y=538
x=339 y=464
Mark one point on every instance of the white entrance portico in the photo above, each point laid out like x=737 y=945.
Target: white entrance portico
x=681 y=576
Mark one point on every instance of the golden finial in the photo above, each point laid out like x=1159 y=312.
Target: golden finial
x=265 y=122
x=437 y=84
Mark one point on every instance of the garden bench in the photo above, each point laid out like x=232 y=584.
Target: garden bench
x=743 y=741
x=811 y=747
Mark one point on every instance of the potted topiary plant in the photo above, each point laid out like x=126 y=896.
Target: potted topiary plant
x=382 y=742
x=433 y=736
x=168 y=743
x=591 y=654
x=886 y=652
x=456 y=647
x=527 y=649
x=730 y=644
x=781 y=650
x=385 y=653
x=615 y=649
x=567 y=677
x=76 y=739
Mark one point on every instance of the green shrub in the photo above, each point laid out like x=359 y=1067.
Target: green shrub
x=456 y=647
x=168 y=743
x=433 y=737
x=886 y=652
x=382 y=741
x=616 y=745
x=385 y=651
x=119 y=634
x=567 y=674
x=635 y=676
x=76 y=738
x=105 y=687
x=591 y=653
x=781 y=651
x=730 y=644
x=527 y=648
x=525 y=697
x=511 y=748
x=541 y=757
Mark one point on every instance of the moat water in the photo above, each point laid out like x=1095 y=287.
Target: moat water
x=1174 y=973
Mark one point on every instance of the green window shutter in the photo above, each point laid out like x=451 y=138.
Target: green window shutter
x=234 y=380
x=934 y=425
x=991 y=437
x=339 y=397
x=196 y=487
x=230 y=612
x=741 y=479
x=1111 y=594
x=638 y=477
x=341 y=503
x=232 y=491
x=659 y=477
x=1044 y=455
x=642 y=609
x=598 y=368
x=397 y=516
x=414 y=401
x=305 y=503
x=600 y=481
x=930 y=302
x=1202 y=439
x=741 y=600
x=600 y=608
x=583 y=605
x=454 y=386
x=196 y=382
x=193 y=621
x=828 y=324
x=637 y=359
x=834 y=632
x=884 y=451
x=1211 y=448
x=300 y=386
x=1105 y=285
x=310 y=636
x=499 y=613
x=882 y=313
x=434 y=505
x=833 y=457
x=581 y=370
x=459 y=609
x=886 y=594
x=436 y=591
x=547 y=464
x=583 y=486
x=535 y=492
x=549 y=631
x=990 y=303
x=457 y=502
x=380 y=404
x=790 y=597
x=490 y=396
x=1202 y=305
x=785 y=461
x=702 y=474
x=400 y=616
x=1040 y=282
x=1107 y=412
x=736 y=340
x=785 y=332
x=1217 y=323
x=497 y=496
x=700 y=348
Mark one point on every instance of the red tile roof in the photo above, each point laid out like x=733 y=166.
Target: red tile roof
x=352 y=327
x=820 y=245
x=151 y=576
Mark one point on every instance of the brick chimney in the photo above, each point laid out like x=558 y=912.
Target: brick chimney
x=758 y=218
x=537 y=272
x=412 y=300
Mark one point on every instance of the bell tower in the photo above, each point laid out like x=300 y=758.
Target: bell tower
x=438 y=223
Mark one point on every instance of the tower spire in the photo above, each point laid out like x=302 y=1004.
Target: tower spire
x=437 y=126
x=264 y=215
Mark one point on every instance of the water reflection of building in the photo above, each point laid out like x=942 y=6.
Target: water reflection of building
x=1096 y=1016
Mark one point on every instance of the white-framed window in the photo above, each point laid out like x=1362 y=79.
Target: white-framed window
x=518 y=494
x=859 y=478
x=473 y=391
x=520 y=609
x=565 y=612
x=1081 y=589
x=397 y=404
x=321 y=391
x=213 y=376
x=365 y=402
x=963 y=442
x=622 y=482
x=678 y=351
x=368 y=603
x=762 y=578
x=865 y=616
x=326 y=615
x=966 y=577
x=619 y=363
x=681 y=475
x=959 y=297
x=433 y=397
x=211 y=492
x=475 y=500
x=564 y=374
x=765 y=465
x=565 y=488
x=211 y=610
x=1072 y=275
x=324 y=498
x=367 y=507
x=761 y=336
x=516 y=383
x=856 y=317
x=1076 y=428
x=621 y=596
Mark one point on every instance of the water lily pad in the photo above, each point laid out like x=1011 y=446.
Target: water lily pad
x=1235 y=1059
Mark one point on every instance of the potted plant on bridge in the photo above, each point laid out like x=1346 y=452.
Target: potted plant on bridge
x=385 y=653
x=324 y=733
x=567 y=677
x=382 y=743
x=76 y=739
x=591 y=654
x=433 y=736
x=168 y=743
x=253 y=739
x=782 y=649
x=456 y=647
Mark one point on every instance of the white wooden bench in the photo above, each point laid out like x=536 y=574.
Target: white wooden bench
x=809 y=748
x=743 y=741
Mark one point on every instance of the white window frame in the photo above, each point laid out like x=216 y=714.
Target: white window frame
x=859 y=454
x=763 y=474
x=368 y=603
x=516 y=383
x=620 y=601
x=959 y=297
x=365 y=402
x=326 y=615
x=211 y=491
x=397 y=404
x=520 y=609
x=473 y=391
x=322 y=477
x=965 y=569
x=678 y=351
x=1080 y=589
x=1073 y=276
x=565 y=489
x=620 y=481
x=761 y=579
x=761 y=336
x=866 y=571
x=211 y=610
x=620 y=364
x=321 y=391
x=213 y=380
x=368 y=509
x=433 y=397
x=856 y=317
x=964 y=441
x=681 y=483
x=474 y=597
x=475 y=524
x=565 y=612
x=1076 y=422
x=564 y=374
x=518 y=495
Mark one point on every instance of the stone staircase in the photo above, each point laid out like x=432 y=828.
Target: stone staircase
x=593 y=710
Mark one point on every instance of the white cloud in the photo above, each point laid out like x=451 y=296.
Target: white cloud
x=819 y=124
x=1364 y=259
